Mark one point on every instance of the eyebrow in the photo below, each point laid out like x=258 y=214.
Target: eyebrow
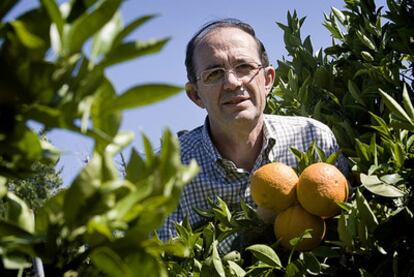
x=236 y=62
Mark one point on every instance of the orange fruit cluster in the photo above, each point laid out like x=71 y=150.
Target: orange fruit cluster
x=294 y=204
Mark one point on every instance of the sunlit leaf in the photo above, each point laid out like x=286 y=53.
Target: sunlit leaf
x=311 y=263
x=366 y=213
x=109 y=262
x=130 y=28
x=236 y=270
x=19 y=213
x=131 y=50
x=407 y=103
x=394 y=107
x=217 y=263
x=265 y=254
x=88 y=24
x=376 y=186
x=143 y=95
x=54 y=14
x=102 y=42
x=28 y=39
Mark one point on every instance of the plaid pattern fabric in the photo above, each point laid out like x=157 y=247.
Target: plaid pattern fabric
x=221 y=177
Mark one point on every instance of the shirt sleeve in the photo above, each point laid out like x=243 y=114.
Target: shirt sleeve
x=330 y=145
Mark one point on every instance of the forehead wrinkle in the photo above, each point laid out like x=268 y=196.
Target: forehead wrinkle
x=232 y=49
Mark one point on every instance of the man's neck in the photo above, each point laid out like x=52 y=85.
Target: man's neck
x=240 y=144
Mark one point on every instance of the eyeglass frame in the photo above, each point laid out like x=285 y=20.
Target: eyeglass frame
x=225 y=70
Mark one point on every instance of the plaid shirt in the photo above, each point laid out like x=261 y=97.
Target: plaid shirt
x=220 y=177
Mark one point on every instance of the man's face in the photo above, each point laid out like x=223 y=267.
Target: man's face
x=233 y=99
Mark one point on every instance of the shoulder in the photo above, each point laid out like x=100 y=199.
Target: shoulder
x=190 y=140
x=295 y=122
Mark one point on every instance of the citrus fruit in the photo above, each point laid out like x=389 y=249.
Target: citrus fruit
x=320 y=186
x=292 y=223
x=272 y=186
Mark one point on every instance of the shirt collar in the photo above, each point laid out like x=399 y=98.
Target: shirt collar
x=269 y=134
x=266 y=155
x=211 y=150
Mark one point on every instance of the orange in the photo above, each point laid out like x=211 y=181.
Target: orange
x=273 y=186
x=320 y=186
x=292 y=223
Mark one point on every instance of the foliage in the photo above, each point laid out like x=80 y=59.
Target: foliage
x=362 y=87
x=44 y=182
x=100 y=224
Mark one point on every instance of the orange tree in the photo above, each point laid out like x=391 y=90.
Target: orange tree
x=100 y=223
x=362 y=87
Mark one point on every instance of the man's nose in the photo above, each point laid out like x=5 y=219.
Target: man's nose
x=231 y=81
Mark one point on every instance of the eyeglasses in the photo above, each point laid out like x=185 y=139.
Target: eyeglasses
x=216 y=75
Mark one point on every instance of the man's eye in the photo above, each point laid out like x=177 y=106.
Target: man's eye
x=214 y=75
x=244 y=68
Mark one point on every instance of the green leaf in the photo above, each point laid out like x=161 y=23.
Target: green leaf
x=407 y=103
x=355 y=92
x=145 y=264
x=344 y=232
x=209 y=235
x=136 y=169
x=366 y=41
x=366 y=214
x=19 y=213
x=83 y=188
x=109 y=262
x=236 y=270
x=103 y=41
x=16 y=262
x=3 y=186
x=11 y=229
x=130 y=28
x=103 y=119
x=292 y=270
x=126 y=208
x=28 y=39
x=367 y=56
x=217 y=263
x=265 y=254
x=143 y=95
x=338 y=14
x=376 y=186
x=120 y=141
x=54 y=14
x=222 y=212
x=311 y=263
x=232 y=256
x=391 y=179
x=130 y=50
x=88 y=24
x=394 y=107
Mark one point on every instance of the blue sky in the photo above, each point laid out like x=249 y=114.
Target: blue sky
x=179 y=20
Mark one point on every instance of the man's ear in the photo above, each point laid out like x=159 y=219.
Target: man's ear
x=270 y=75
x=192 y=93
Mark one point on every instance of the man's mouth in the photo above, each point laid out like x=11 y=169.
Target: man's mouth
x=235 y=100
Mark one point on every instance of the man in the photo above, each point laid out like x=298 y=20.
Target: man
x=229 y=75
